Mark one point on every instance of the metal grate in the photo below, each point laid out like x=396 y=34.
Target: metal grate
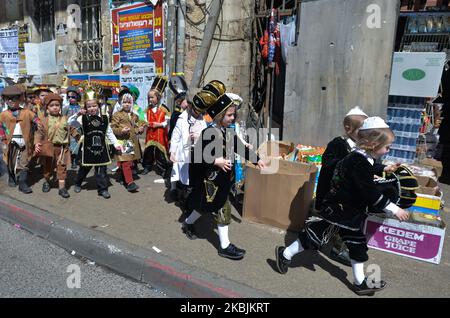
x=89 y=55
x=436 y=42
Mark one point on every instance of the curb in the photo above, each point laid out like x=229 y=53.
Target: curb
x=143 y=265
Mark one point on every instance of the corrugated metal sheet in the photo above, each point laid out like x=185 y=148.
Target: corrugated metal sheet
x=340 y=62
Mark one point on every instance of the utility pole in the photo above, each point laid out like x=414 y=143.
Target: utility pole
x=171 y=45
x=181 y=36
x=208 y=34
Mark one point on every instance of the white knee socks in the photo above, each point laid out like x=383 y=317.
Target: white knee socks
x=223 y=236
x=293 y=249
x=358 y=272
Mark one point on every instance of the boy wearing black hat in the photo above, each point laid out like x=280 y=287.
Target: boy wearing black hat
x=211 y=174
x=188 y=128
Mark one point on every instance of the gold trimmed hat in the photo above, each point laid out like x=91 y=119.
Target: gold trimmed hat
x=90 y=92
x=220 y=106
x=208 y=95
x=159 y=84
x=215 y=87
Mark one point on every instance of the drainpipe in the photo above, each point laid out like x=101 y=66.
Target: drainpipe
x=181 y=36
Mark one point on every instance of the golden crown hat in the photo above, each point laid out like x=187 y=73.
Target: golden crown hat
x=90 y=91
x=159 y=84
x=215 y=87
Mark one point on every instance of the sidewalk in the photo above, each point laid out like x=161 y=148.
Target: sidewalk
x=121 y=232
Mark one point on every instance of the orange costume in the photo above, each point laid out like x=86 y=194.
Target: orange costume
x=157 y=137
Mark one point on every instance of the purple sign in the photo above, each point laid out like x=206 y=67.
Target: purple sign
x=403 y=241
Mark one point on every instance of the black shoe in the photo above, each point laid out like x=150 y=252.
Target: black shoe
x=132 y=187
x=46 y=187
x=105 y=194
x=232 y=252
x=189 y=230
x=22 y=180
x=25 y=189
x=282 y=262
x=77 y=189
x=63 y=192
x=145 y=171
x=341 y=256
x=364 y=289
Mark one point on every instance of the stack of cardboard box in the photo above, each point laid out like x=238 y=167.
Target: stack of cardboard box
x=282 y=195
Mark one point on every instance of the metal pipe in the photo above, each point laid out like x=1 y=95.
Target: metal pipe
x=181 y=36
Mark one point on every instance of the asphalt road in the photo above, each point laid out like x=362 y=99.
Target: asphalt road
x=33 y=267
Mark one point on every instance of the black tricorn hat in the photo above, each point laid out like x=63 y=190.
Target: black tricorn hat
x=220 y=106
x=159 y=84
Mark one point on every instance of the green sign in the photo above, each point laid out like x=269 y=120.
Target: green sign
x=414 y=74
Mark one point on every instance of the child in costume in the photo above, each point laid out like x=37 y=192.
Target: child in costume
x=211 y=174
x=188 y=128
x=18 y=124
x=127 y=126
x=95 y=152
x=336 y=150
x=54 y=131
x=344 y=207
x=156 y=140
x=71 y=109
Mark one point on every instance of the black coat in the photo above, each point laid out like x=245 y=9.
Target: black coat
x=336 y=150
x=210 y=184
x=352 y=191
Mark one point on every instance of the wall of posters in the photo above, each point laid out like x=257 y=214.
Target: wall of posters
x=136 y=35
x=130 y=39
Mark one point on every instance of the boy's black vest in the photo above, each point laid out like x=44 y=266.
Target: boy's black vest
x=95 y=149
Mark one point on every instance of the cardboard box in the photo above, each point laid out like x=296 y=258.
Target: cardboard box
x=429 y=197
x=281 y=199
x=417 y=241
x=274 y=149
x=434 y=164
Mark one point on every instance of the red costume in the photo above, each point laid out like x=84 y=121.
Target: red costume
x=157 y=136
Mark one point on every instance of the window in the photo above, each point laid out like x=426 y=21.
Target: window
x=90 y=48
x=90 y=19
x=45 y=18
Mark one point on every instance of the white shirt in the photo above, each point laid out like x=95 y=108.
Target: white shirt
x=351 y=143
x=17 y=136
x=180 y=145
